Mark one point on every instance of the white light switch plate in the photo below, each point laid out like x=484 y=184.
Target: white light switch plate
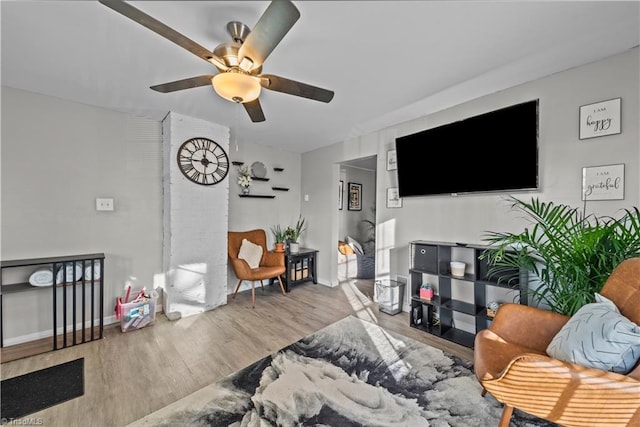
x=104 y=204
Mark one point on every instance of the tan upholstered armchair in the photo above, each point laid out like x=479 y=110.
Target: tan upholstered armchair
x=511 y=363
x=271 y=263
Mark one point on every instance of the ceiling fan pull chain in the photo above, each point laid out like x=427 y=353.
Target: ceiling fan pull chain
x=235 y=119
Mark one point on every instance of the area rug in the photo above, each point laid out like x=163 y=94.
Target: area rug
x=32 y=392
x=351 y=373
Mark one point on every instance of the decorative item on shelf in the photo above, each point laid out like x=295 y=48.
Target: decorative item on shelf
x=492 y=308
x=457 y=268
x=258 y=170
x=293 y=234
x=279 y=235
x=244 y=179
x=426 y=292
x=435 y=319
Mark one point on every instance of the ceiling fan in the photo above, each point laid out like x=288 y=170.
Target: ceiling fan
x=239 y=62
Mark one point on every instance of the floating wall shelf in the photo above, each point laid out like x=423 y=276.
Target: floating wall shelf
x=237 y=163
x=278 y=169
x=259 y=179
x=279 y=188
x=257 y=196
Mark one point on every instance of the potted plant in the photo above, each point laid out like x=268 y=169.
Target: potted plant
x=292 y=234
x=570 y=254
x=279 y=237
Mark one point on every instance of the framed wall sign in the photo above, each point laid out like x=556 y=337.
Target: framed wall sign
x=393 y=198
x=355 y=197
x=340 y=193
x=392 y=163
x=600 y=119
x=603 y=182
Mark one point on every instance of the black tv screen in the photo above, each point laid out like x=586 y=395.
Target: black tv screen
x=496 y=151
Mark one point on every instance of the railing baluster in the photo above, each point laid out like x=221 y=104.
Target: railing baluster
x=55 y=306
x=64 y=303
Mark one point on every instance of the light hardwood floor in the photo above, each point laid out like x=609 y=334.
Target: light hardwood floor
x=129 y=375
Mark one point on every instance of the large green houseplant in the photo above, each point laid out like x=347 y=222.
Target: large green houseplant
x=570 y=254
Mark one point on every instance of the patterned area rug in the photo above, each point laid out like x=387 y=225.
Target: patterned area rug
x=351 y=373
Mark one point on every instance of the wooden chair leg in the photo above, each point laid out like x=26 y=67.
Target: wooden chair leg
x=506 y=416
x=281 y=286
x=483 y=392
x=237 y=287
x=253 y=294
x=262 y=285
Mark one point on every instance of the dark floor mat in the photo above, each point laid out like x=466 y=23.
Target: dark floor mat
x=32 y=392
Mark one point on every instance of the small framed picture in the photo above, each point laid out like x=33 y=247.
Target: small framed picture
x=603 y=182
x=393 y=198
x=600 y=119
x=340 y=193
x=392 y=163
x=355 y=197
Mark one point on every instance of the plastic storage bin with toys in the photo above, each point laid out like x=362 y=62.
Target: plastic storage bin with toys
x=138 y=313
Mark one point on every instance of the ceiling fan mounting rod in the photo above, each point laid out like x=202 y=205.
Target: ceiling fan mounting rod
x=238 y=31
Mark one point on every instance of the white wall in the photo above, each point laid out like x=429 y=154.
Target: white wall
x=465 y=218
x=195 y=224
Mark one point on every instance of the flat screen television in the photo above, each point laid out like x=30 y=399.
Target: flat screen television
x=491 y=152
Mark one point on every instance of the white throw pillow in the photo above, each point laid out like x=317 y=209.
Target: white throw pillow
x=598 y=336
x=357 y=248
x=251 y=253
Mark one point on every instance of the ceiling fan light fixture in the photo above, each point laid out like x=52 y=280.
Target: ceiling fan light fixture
x=236 y=86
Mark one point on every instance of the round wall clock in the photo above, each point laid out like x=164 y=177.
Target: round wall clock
x=203 y=161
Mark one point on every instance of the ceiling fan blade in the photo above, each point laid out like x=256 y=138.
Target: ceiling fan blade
x=191 y=82
x=168 y=33
x=254 y=110
x=292 y=87
x=275 y=22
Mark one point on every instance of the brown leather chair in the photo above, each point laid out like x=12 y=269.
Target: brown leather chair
x=510 y=361
x=271 y=265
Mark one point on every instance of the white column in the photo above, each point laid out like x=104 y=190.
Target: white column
x=195 y=224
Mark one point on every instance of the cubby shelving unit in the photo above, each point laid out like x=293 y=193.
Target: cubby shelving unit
x=429 y=263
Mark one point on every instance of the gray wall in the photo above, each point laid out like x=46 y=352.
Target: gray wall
x=465 y=218
x=350 y=222
x=250 y=213
x=57 y=158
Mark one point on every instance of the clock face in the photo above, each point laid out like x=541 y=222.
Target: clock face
x=203 y=161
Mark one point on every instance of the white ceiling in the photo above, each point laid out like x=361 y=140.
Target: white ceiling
x=387 y=61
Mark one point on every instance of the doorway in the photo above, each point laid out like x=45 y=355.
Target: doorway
x=357 y=223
